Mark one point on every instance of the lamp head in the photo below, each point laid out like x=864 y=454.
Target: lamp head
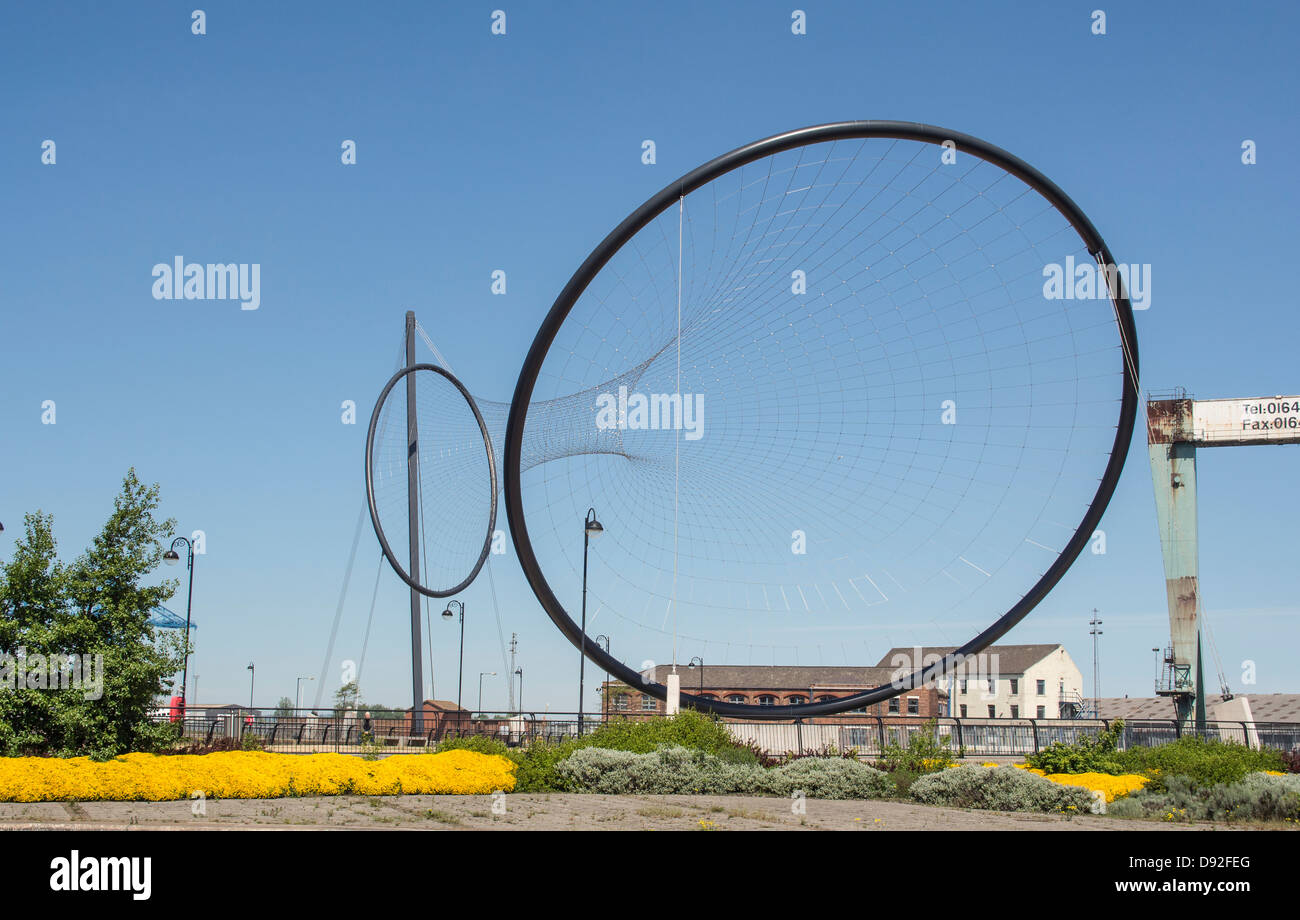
x=593 y=526
x=171 y=557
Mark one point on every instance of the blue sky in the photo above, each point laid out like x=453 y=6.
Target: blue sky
x=477 y=152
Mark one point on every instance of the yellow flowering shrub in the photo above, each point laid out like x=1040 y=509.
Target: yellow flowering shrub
x=249 y=775
x=1110 y=786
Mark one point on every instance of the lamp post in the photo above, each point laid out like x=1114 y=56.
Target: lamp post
x=460 y=667
x=591 y=528
x=252 y=673
x=297 y=697
x=700 y=661
x=604 y=697
x=171 y=557
x=481 y=675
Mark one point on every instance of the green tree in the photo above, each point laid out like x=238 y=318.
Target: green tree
x=97 y=608
x=33 y=587
x=284 y=708
x=347 y=697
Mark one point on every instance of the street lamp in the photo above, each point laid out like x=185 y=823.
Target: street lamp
x=481 y=675
x=460 y=668
x=604 y=699
x=297 y=697
x=700 y=661
x=591 y=528
x=252 y=673
x=171 y=557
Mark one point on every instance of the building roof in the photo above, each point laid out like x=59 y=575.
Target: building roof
x=1274 y=707
x=1265 y=707
x=1011 y=659
x=773 y=677
x=446 y=705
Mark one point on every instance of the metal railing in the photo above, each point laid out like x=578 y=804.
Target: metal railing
x=305 y=731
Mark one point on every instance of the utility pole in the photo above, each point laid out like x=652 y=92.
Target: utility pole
x=413 y=528
x=514 y=645
x=1096 y=690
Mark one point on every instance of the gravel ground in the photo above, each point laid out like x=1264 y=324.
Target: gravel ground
x=554 y=811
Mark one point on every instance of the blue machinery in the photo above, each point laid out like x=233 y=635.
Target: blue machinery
x=1176 y=427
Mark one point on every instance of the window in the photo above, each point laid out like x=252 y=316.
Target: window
x=620 y=702
x=963 y=710
x=893 y=706
x=649 y=704
x=856 y=737
x=708 y=696
x=796 y=700
x=735 y=698
x=825 y=699
x=993 y=686
x=766 y=700
x=1015 y=712
x=963 y=686
x=1015 y=686
x=1042 y=712
x=993 y=712
x=913 y=706
x=1042 y=688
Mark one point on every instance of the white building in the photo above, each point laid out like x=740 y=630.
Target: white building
x=1004 y=681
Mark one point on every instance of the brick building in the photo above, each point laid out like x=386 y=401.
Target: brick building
x=1005 y=681
x=774 y=685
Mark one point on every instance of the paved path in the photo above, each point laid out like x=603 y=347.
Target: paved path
x=553 y=811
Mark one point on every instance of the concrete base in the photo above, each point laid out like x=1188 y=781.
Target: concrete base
x=1237 y=709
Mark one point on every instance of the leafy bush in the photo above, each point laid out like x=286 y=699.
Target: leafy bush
x=1087 y=755
x=999 y=789
x=688 y=729
x=829 y=778
x=926 y=752
x=1255 y=797
x=538 y=767
x=251 y=742
x=1290 y=760
x=1204 y=762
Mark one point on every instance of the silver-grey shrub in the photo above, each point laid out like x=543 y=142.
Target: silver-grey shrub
x=829 y=778
x=667 y=771
x=677 y=770
x=999 y=789
x=1255 y=797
